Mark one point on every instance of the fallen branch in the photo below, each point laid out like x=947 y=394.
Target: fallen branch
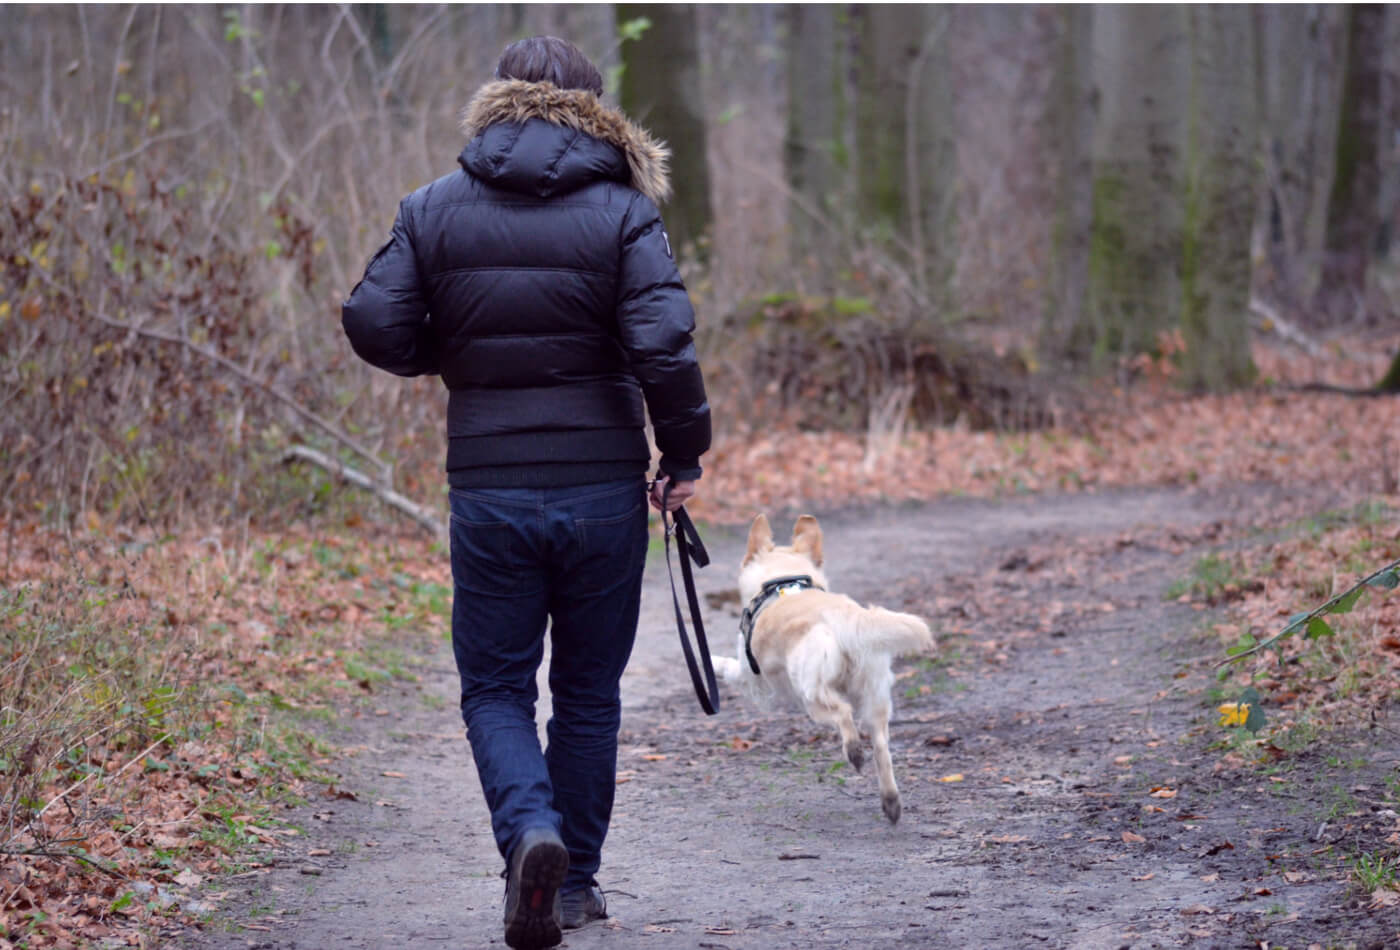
x=424 y=516
x=1271 y=320
x=325 y=425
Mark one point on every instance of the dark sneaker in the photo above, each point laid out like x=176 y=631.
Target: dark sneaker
x=577 y=908
x=537 y=868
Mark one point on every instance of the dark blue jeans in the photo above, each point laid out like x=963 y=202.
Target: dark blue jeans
x=573 y=557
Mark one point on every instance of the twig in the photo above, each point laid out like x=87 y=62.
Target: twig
x=1283 y=328
x=393 y=499
x=1300 y=622
x=63 y=794
x=44 y=852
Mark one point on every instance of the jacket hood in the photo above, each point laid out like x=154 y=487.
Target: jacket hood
x=505 y=147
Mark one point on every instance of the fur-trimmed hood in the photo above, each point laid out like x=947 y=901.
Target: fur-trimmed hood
x=515 y=101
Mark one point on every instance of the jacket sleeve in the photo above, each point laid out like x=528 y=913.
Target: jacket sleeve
x=386 y=315
x=656 y=322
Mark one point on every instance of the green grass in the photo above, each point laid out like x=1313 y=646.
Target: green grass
x=1374 y=871
x=1209 y=578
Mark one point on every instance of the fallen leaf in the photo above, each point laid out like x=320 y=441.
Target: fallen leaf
x=1144 y=877
x=955 y=777
x=1385 y=897
x=1210 y=878
x=655 y=758
x=1131 y=838
x=1163 y=792
x=1196 y=909
x=188 y=878
x=1123 y=760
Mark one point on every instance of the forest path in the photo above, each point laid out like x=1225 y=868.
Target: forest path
x=1066 y=691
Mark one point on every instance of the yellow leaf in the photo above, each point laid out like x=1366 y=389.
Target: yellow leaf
x=955 y=777
x=1233 y=714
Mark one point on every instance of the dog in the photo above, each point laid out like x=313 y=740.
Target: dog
x=830 y=654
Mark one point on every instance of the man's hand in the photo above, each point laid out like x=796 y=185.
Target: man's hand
x=680 y=493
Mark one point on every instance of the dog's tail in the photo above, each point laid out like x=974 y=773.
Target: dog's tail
x=888 y=631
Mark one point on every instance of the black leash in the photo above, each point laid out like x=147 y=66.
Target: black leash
x=690 y=548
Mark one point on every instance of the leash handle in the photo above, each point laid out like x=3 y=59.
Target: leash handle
x=689 y=547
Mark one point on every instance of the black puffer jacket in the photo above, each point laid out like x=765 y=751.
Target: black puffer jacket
x=539 y=283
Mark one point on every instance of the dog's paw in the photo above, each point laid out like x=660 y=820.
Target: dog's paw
x=892 y=807
x=854 y=755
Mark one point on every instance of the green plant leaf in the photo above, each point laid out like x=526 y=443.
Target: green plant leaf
x=1256 y=719
x=1388 y=580
x=1347 y=603
x=633 y=29
x=1317 y=627
x=1245 y=643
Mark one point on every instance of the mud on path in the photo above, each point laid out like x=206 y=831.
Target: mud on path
x=1067 y=693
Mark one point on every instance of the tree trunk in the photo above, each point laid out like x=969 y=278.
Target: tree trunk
x=1220 y=174
x=1070 y=118
x=661 y=90
x=1353 y=206
x=1141 y=58
x=1300 y=53
x=816 y=152
x=906 y=161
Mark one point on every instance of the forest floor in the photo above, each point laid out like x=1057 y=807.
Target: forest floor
x=1065 y=780
x=246 y=737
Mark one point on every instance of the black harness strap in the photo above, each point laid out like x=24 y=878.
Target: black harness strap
x=770 y=590
x=690 y=548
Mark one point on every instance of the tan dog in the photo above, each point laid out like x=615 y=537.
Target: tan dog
x=822 y=649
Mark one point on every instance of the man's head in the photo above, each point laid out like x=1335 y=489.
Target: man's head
x=549 y=59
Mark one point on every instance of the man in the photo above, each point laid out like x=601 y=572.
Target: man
x=538 y=282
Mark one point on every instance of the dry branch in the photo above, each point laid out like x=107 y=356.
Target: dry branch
x=393 y=499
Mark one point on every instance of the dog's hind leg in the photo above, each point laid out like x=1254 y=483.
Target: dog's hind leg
x=813 y=669
x=827 y=707
x=879 y=722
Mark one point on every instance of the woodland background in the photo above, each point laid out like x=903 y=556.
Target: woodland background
x=933 y=250
x=889 y=215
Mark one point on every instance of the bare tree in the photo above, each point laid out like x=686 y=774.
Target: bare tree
x=662 y=89
x=1353 y=205
x=1141 y=66
x=1219 y=219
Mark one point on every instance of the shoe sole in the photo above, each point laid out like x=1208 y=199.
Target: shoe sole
x=533 y=924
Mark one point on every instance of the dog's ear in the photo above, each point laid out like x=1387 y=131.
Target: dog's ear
x=760 y=538
x=807 y=539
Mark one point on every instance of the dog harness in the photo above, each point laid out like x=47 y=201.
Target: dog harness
x=777 y=587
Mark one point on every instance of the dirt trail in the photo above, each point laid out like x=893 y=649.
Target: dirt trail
x=745 y=831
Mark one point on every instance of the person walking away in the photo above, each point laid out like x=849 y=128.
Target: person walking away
x=538 y=282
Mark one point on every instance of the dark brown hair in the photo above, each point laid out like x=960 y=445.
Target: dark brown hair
x=549 y=59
